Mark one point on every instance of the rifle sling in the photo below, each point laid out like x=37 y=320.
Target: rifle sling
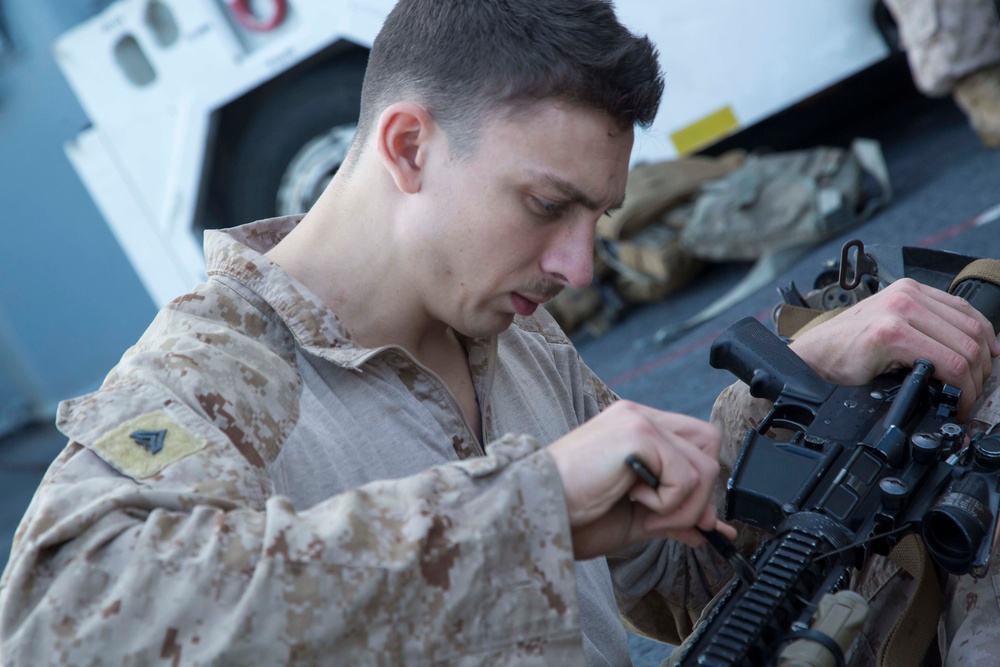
x=792 y=321
x=909 y=639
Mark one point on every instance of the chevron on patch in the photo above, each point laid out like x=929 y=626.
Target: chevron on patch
x=154 y=454
x=151 y=441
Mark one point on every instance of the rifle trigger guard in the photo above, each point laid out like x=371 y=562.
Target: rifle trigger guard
x=864 y=265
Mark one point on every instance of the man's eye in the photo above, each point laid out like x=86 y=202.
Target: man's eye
x=546 y=208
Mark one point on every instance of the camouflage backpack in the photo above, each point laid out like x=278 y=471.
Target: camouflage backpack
x=777 y=207
x=784 y=199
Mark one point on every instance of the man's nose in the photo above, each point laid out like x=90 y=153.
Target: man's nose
x=570 y=258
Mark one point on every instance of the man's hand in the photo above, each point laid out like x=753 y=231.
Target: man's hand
x=609 y=507
x=892 y=328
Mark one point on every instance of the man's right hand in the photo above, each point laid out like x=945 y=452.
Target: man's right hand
x=609 y=507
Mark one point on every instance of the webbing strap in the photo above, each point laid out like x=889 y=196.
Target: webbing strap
x=980 y=269
x=793 y=321
x=907 y=642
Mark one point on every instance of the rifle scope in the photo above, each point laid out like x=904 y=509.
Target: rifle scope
x=960 y=525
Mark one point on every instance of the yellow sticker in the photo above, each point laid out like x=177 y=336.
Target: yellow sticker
x=145 y=445
x=703 y=132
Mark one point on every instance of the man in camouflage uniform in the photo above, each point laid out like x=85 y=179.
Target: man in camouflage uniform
x=953 y=47
x=217 y=503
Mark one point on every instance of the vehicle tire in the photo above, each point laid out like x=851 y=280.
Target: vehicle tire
x=887 y=27
x=293 y=142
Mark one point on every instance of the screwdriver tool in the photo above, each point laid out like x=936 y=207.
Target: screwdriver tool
x=743 y=568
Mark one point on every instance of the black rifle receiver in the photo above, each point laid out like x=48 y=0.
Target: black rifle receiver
x=837 y=473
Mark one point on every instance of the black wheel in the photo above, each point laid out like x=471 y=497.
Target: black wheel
x=887 y=27
x=294 y=140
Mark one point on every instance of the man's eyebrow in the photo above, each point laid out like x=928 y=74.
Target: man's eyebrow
x=575 y=195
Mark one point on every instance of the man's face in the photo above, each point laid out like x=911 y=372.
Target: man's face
x=505 y=229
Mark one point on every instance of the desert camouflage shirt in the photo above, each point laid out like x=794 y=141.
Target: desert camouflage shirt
x=203 y=511
x=946 y=40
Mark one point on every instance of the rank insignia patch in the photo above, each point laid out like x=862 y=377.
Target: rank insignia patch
x=151 y=441
x=145 y=445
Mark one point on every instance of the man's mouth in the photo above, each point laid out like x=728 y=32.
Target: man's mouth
x=526 y=305
x=533 y=295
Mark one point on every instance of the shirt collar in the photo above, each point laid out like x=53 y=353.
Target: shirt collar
x=239 y=254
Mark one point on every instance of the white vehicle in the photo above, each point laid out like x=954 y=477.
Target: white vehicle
x=210 y=113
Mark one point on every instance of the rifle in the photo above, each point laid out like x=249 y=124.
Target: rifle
x=851 y=471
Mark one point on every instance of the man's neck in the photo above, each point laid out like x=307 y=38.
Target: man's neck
x=343 y=251
x=361 y=287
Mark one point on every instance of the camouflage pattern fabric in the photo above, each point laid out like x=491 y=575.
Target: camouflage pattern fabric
x=946 y=40
x=158 y=537
x=217 y=502
x=969 y=630
x=193 y=570
x=978 y=95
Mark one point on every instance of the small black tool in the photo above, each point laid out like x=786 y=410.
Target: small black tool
x=743 y=568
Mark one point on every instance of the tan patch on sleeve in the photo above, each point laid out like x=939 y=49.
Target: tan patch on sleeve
x=145 y=445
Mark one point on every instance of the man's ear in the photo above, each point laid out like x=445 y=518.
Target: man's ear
x=404 y=131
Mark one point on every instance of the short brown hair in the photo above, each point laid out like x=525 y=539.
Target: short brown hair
x=466 y=59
